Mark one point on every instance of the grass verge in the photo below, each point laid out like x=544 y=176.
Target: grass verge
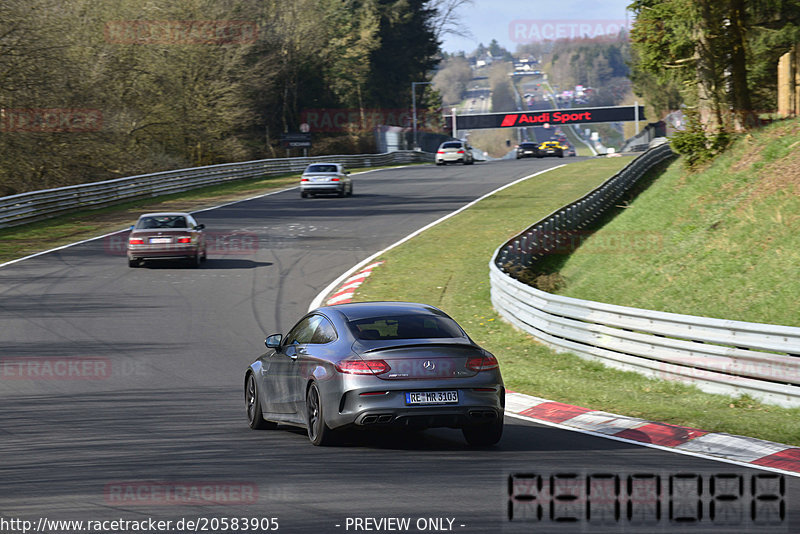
x=723 y=242
x=20 y=241
x=447 y=266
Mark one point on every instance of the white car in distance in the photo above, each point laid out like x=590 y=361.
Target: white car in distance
x=325 y=178
x=454 y=152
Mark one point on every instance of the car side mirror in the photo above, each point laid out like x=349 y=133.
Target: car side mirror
x=132 y=226
x=200 y=227
x=347 y=172
x=273 y=341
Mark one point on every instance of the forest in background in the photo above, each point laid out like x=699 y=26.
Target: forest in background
x=717 y=57
x=196 y=82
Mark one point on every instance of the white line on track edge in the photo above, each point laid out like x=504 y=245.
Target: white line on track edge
x=317 y=302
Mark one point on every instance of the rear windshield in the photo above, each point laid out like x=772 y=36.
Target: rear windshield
x=161 y=221
x=321 y=168
x=405 y=327
x=528 y=145
x=452 y=144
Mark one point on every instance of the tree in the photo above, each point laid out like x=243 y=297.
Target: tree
x=720 y=52
x=452 y=79
x=407 y=52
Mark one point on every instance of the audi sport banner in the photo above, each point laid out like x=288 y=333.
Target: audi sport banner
x=553 y=117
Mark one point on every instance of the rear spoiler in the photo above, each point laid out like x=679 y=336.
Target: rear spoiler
x=412 y=345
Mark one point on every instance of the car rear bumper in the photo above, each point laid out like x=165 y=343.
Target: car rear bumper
x=450 y=158
x=325 y=187
x=474 y=407
x=145 y=252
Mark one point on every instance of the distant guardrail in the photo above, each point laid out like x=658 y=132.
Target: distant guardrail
x=717 y=355
x=39 y=205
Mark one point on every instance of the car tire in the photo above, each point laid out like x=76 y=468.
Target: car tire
x=303 y=194
x=318 y=431
x=350 y=191
x=133 y=263
x=484 y=435
x=194 y=261
x=255 y=418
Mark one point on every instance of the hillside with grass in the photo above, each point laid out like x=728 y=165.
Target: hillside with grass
x=722 y=242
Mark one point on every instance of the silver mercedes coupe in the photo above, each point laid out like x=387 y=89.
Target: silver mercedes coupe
x=376 y=364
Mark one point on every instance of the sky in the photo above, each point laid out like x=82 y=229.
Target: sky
x=515 y=21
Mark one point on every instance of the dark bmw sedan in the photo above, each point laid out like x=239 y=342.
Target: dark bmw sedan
x=376 y=364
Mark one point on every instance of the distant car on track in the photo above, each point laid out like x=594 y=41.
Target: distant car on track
x=454 y=152
x=376 y=364
x=325 y=178
x=166 y=236
x=550 y=148
x=527 y=149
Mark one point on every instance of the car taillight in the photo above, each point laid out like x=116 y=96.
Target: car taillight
x=303 y=179
x=334 y=179
x=485 y=363
x=136 y=241
x=184 y=240
x=363 y=367
x=440 y=152
x=460 y=151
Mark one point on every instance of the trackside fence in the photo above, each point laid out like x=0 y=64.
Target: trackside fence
x=719 y=356
x=39 y=205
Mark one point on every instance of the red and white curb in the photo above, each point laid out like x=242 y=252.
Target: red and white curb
x=348 y=288
x=726 y=447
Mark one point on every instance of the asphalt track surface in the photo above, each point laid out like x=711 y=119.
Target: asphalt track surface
x=159 y=407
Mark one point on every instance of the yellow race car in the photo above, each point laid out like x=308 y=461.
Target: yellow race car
x=550 y=148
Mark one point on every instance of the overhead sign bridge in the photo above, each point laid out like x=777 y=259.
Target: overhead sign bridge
x=555 y=117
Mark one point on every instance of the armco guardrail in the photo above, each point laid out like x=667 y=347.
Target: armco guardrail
x=39 y=205
x=719 y=356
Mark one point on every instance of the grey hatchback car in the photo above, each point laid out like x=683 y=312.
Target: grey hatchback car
x=376 y=364
x=325 y=178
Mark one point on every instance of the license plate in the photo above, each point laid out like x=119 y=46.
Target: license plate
x=432 y=397
x=320 y=179
x=156 y=240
